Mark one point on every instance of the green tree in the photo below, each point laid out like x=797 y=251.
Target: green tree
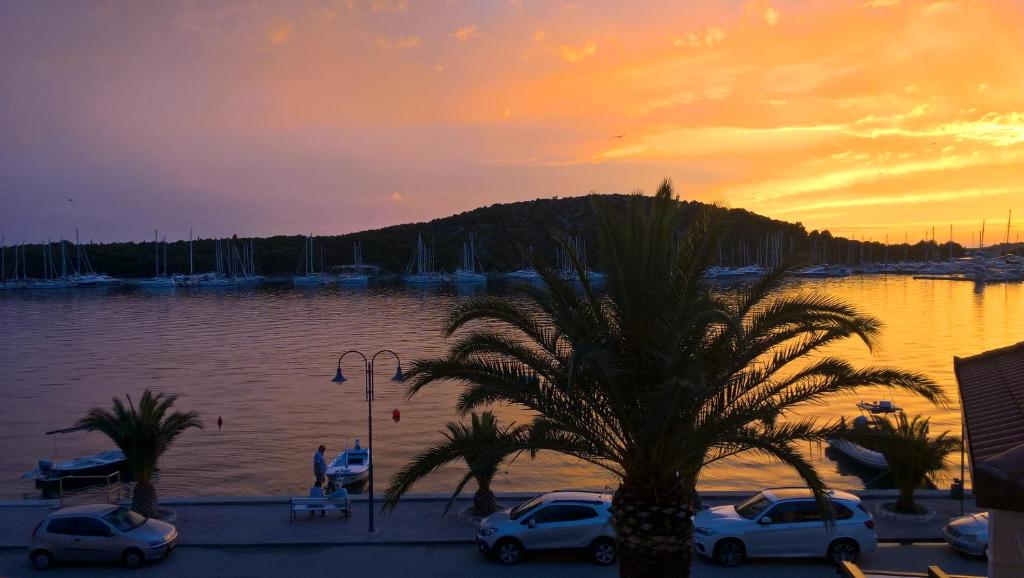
x=483 y=445
x=143 y=434
x=659 y=375
x=913 y=455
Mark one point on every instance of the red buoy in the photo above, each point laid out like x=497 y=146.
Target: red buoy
x=396 y=415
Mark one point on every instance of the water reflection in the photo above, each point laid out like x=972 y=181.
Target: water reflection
x=263 y=357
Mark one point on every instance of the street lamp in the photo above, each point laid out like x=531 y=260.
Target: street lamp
x=340 y=378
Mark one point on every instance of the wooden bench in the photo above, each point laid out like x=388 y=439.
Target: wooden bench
x=322 y=505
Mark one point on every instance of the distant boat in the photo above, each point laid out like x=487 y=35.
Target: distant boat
x=467 y=271
x=566 y=269
x=85 y=276
x=823 y=271
x=420 y=270
x=350 y=466
x=311 y=276
x=158 y=281
x=357 y=273
x=879 y=407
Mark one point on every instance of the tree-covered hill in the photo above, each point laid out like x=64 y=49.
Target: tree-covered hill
x=503 y=233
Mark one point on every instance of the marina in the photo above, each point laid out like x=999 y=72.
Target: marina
x=265 y=367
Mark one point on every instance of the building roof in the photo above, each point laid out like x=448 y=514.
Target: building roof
x=992 y=398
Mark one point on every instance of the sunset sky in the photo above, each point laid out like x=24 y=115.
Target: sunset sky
x=869 y=118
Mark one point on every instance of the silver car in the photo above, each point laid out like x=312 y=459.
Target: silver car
x=969 y=533
x=100 y=532
x=553 y=521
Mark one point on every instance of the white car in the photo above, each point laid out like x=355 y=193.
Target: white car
x=969 y=533
x=552 y=521
x=784 y=522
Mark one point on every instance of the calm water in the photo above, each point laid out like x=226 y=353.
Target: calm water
x=262 y=359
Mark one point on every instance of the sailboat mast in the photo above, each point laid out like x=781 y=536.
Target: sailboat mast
x=165 y=256
x=190 y=272
x=78 y=256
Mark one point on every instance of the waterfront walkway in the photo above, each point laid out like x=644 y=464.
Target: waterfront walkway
x=251 y=521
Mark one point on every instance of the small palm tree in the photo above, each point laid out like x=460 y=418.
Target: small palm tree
x=143 y=434
x=660 y=375
x=913 y=455
x=484 y=446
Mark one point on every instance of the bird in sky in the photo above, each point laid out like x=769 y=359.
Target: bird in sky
x=618 y=135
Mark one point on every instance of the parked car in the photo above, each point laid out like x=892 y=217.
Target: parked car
x=552 y=521
x=969 y=533
x=784 y=522
x=100 y=532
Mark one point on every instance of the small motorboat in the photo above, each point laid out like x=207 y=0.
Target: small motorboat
x=350 y=467
x=878 y=407
x=861 y=454
x=86 y=469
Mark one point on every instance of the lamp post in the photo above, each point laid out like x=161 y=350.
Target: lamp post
x=339 y=378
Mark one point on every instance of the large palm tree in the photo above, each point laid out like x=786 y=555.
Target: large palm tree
x=660 y=375
x=143 y=434
x=483 y=445
x=913 y=455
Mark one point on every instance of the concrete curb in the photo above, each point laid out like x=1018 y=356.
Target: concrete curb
x=430 y=497
x=403 y=543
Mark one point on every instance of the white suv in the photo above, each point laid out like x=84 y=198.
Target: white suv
x=554 y=521
x=784 y=522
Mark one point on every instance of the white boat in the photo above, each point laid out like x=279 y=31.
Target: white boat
x=311 y=277
x=467 y=271
x=357 y=273
x=566 y=269
x=878 y=407
x=158 y=281
x=350 y=466
x=49 y=473
x=860 y=453
x=420 y=270
x=527 y=274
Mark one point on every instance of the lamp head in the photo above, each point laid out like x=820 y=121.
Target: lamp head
x=338 y=377
x=399 y=376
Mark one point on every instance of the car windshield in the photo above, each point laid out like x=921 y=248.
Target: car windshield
x=124 y=519
x=753 y=506
x=524 y=508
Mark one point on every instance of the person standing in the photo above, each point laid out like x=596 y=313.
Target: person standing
x=319 y=466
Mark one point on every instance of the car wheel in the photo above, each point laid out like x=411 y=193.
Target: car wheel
x=41 y=560
x=843 y=551
x=508 y=552
x=133 y=558
x=603 y=551
x=730 y=553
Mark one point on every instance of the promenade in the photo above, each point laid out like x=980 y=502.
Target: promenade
x=264 y=521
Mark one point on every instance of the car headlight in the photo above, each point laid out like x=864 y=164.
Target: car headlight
x=487 y=531
x=155 y=543
x=704 y=531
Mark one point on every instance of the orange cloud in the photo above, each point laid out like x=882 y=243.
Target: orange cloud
x=405 y=42
x=278 y=33
x=466 y=33
x=573 y=54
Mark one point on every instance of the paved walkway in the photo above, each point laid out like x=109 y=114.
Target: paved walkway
x=418 y=520
x=462 y=562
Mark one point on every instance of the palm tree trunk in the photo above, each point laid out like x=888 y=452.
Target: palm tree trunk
x=144 y=500
x=905 y=501
x=654 y=530
x=484 y=503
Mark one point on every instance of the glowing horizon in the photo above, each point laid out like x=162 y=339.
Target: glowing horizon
x=868 y=118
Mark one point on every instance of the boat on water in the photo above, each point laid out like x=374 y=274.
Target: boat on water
x=575 y=246
x=350 y=466
x=51 y=474
x=310 y=277
x=158 y=280
x=857 y=452
x=820 y=271
x=357 y=273
x=467 y=271
x=879 y=407
x=420 y=270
